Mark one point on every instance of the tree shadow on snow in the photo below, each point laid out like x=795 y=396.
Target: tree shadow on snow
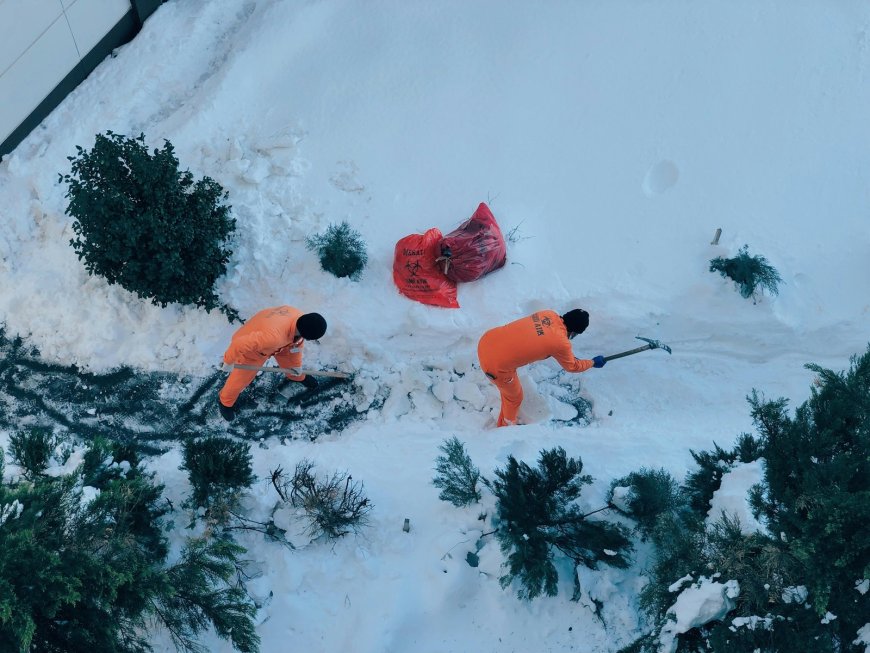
x=150 y=408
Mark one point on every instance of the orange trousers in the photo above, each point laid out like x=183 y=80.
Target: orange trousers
x=238 y=380
x=507 y=382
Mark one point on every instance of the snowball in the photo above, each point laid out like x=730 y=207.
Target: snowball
x=862 y=585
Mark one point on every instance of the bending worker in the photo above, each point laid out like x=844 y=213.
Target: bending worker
x=533 y=338
x=281 y=332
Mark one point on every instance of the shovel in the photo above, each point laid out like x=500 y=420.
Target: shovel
x=651 y=344
x=290 y=370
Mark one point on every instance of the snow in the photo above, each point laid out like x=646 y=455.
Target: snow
x=796 y=594
x=10 y=511
x=622 y=497
x=615 y=138
x=701 y=603
x=863 y=637
x=732 y=497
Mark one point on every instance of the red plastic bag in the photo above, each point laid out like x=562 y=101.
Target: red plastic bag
x=416 y=273
x=474 y=249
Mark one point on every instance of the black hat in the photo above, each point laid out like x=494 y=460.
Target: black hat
x=576 y=321
x=311 y=326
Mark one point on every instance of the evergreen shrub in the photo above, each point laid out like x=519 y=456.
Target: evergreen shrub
x=456 y=475
x=32 y=449
x=142 y=223
x=800 y=579
x=218 y=468
x=537 y=513
x=652 y=492
x=701 y=484
x=752 y=274
x=82 y=569
x=341 y=249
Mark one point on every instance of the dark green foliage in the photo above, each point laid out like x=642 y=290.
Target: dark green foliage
x=817 y=492
x=334 y=504
x=201 y=595
x=700 y=485
x=142 y=223
x=653 y=492
x=646 y=644
x=341 y=249
x=103 y=458
x=680 y=541
x=218 y=469
x=537 y=512
x=752 y=274
x=748 y=448
x=456 y=475
x=815 y=501
x=79 y=576
x=32 y=449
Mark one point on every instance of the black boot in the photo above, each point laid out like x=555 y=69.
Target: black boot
x=227 y=412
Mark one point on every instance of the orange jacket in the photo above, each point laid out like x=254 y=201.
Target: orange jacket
x=529 y=339
x=267 y=333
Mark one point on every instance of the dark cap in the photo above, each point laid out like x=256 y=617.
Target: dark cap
x=311 y=326
x=576 y=321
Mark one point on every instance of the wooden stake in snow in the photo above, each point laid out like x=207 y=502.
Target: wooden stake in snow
x=715 y=240
x=407 y=525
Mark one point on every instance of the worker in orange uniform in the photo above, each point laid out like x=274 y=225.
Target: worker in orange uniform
x=281 y=332
x=533 y=338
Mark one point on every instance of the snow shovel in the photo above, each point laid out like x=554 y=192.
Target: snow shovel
x=291 y=370
x=285 y=392
x=651 y=344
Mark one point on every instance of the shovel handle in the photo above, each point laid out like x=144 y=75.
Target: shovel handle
x=290 y=370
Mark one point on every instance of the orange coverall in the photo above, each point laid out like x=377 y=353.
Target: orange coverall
x=533 y=338
x=271 y=332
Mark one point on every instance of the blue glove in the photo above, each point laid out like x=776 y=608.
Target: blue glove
x=598 y=361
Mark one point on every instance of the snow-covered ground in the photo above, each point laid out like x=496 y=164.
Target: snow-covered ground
x=616 y=137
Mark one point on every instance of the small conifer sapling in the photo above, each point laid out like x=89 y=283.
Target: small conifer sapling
x=341 y=249
x=537 y=513
x=752 y=274
x=456 y=475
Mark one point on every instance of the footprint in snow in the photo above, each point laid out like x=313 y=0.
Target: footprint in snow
x=660 y=177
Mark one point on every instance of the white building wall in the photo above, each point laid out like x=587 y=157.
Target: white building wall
x=40 y=42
